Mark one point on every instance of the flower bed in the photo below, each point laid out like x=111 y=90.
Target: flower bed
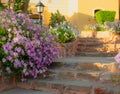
x=26 y=48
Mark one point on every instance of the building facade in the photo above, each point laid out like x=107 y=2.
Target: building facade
x=82 y=12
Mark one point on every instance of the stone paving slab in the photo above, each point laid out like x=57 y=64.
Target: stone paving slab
x=23 y=91
x=85 y=59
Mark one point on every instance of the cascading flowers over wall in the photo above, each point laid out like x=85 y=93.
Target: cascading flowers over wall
x=26 y=48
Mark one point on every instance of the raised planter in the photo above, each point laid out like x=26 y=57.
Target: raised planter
x=99 y=34
x=0 y=69
x=7 y=83
x=67 y=49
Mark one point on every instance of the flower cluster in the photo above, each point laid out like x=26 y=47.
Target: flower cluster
x=96 y=27
x=117 y=58
x=113 y=27
x=26 y=48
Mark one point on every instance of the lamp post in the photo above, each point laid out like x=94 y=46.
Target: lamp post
x=40 y=8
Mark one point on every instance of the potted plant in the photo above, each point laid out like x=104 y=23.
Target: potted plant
x=66 y=35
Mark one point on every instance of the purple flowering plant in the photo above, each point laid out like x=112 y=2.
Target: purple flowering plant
x=26 y=48
x=117 y=59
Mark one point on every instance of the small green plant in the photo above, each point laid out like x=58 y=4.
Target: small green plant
x=65 y=32
x=56 y=19
x=20 y=5
x=103 y=16
x=96 y=27
x=114 y=27
x=2 y=7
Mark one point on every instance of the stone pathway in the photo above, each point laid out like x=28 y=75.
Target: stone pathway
x=23 y=91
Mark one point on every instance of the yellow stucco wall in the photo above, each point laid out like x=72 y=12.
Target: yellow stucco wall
x=61 y=5
x=66 y=7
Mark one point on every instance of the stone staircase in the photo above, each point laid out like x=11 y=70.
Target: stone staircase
x=92 y=71
x=98 y=44
x=78 y=75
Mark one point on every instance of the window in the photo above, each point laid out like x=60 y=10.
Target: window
x=96 y=10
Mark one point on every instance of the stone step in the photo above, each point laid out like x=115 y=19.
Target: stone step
x=90 y=44
x=73 y=75
x=94 y=54
x=97 y=40
x=96 y=51
x=59 y=87
x=93 y=39
x=83 y=59
x=82 y=75
x=63 y=87
x=99 y=45
x=90 y=49
x=85 y=64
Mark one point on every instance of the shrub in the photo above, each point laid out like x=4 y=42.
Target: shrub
x=2 y=7
x=103 y=16
x=25 y=47
x=114 y=27
x=65 y=32
x=56 y=19
x=96 y=27
x=21 y=6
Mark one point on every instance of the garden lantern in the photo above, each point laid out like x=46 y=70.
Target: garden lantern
x=40 y=8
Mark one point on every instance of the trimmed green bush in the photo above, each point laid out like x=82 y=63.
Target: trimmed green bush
x=56 y=19
x=103 y=16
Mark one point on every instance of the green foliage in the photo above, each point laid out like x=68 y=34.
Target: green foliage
x=21 y=5
x=3 y=32
x=56 y=18
x=103 y=16
x=97 y=27
x=65 y=32
x=19 y=39
x=115 y=78
x=2 y=7
x=114 y=27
